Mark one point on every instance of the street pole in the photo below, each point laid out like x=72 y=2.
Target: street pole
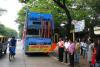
x=73 y=35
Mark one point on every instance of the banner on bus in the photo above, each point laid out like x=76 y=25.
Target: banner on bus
x=39 y=48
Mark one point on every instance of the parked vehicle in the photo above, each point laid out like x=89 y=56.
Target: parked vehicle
x=3 y=44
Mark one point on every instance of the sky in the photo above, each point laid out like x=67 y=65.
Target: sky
x=12 y=7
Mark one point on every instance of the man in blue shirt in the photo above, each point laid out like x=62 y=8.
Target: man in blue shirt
x=12 y=45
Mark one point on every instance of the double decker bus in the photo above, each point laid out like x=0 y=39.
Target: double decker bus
x=38 y=33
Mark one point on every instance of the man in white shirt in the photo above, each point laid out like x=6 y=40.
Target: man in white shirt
x=84 y=49
x=81 y=45
x=66 y=45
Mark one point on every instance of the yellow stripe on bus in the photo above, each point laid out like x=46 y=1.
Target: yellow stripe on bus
x=38 y=48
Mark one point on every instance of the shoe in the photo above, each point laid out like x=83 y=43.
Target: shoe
x=65 y=62
x=62 y=62
x=68 y=64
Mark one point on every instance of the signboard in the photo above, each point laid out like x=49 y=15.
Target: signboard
x=79 y=25
x=97 y=30
x=39 y=48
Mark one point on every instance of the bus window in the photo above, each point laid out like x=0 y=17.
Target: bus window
x=33 y=32
x=32 y=44
x=3 y=40
x=37 y=23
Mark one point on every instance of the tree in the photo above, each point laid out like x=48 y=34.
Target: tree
x=21 y=26
x=2 y=31
x=73 y=9
x=59 y=12
x=7 y=31
x=63 y=4
x=94 y=6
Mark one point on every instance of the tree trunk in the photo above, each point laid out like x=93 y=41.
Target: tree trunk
x=64 y=7
x=92 y=29
x=68 y=27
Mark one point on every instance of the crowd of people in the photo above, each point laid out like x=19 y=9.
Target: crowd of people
x=73 y=50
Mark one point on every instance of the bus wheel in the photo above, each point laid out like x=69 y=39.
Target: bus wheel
x=5 y=52
x=47 y=54
x=26 y=53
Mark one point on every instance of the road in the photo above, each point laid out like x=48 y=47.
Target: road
x=21 y=60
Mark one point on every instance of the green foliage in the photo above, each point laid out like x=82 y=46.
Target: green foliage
x=94 y=4
x=2 y=30
x=7 y=31
x=21 y=30
x=94 y=7
x=22 y=15
x=24 y=1
x=48 y=6
x=79 y=14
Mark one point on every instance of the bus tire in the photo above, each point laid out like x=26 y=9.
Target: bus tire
x=47 y=54
x=26 y=53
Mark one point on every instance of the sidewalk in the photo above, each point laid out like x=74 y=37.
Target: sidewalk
x=83 y=62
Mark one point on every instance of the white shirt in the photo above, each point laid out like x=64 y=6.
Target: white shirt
x=82 y=43
x=90 y=52
x=85 y=45
x=66 y=44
